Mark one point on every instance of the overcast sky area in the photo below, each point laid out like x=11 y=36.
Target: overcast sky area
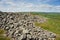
x=30 y=5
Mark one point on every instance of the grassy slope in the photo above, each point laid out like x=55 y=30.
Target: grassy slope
x=53 y=23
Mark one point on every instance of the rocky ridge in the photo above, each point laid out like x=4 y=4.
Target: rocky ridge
x=20 y=26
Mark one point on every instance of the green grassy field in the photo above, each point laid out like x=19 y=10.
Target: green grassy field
x=52 y=24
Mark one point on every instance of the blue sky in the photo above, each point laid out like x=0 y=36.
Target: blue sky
x=30 y=5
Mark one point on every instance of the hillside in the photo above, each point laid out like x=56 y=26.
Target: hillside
x=52 y=24
x=21 y=26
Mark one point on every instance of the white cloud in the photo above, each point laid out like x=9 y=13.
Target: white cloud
x=22 y=6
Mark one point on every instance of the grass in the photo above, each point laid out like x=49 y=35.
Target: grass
x=52 y=24
x=2 y=37
x=2 y=31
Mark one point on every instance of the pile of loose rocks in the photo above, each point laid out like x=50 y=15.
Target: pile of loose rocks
x=20 y=26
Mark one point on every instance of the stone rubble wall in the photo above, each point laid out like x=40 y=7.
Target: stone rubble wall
x=20 y=26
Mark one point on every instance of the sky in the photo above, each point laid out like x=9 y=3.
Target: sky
x=30 y=5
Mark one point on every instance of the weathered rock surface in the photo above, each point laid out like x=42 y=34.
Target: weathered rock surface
x=20 y=26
